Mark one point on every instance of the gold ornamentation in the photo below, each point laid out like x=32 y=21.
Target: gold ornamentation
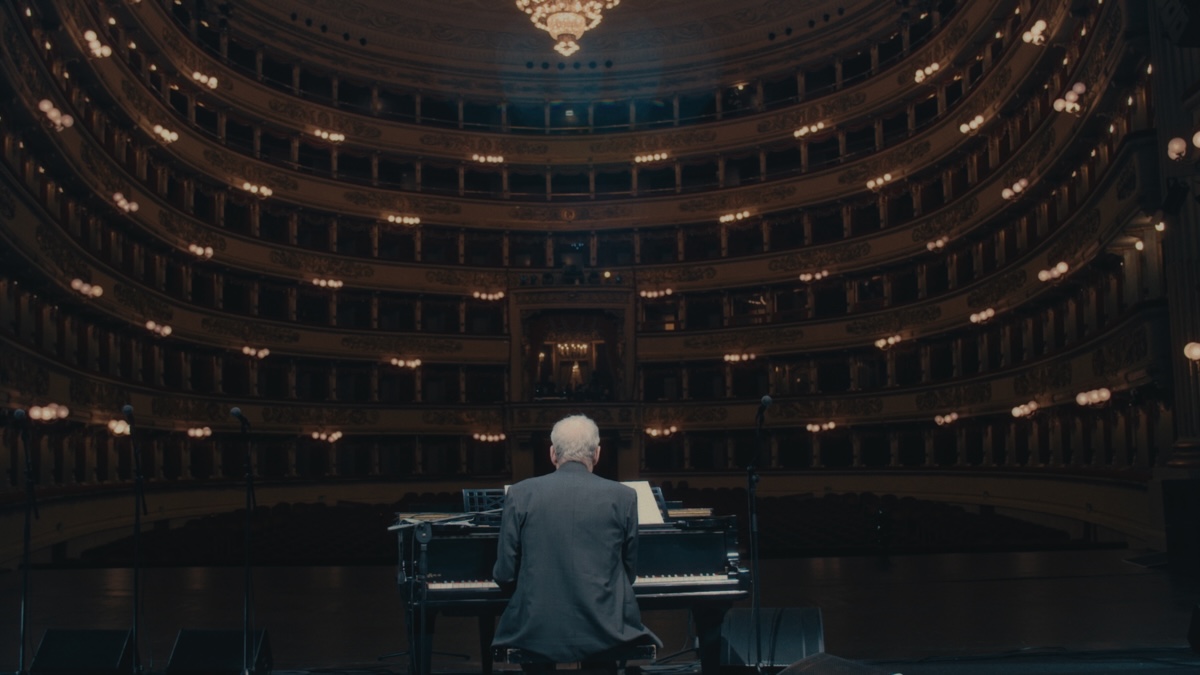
x=323 y=119
x=891 y=322
x=321 y=265
x=1042 y=380
x=1124 y=352
x=142 y=303
x=738 y=200
x=400 y=344
x=249 y=331
x=814 y=258
x=997 y=290
x=954 y=397
x=382 y=201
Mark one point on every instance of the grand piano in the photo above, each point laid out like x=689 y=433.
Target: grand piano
x=446 y=568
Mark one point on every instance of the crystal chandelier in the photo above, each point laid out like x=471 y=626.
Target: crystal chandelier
x=566 y=20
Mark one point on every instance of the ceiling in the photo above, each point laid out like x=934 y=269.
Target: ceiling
x=641 y=44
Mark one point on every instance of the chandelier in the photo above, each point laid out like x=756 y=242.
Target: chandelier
x=566 y=20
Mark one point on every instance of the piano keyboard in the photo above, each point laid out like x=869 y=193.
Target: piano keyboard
x=640 y=582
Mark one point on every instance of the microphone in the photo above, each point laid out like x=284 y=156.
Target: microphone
x=762 y=410
x=237 y=412
x=128 y=412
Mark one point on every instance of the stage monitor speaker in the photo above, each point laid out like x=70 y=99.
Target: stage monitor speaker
x=218 y=652
x=787 y=634
x=83 y=652
x=827 y=664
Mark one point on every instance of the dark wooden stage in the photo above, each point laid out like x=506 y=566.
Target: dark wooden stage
x=1093 y=611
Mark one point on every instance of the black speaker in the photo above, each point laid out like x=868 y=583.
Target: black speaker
x=83 y=652
x=827 y=664
x=218 y=652
x=787 y=634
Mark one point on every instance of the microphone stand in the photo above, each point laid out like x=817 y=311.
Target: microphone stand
x=752 y=511
x=139 y=509
x=31 y=513
x=250 y=506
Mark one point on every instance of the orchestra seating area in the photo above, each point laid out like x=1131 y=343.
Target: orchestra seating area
x=790 y=526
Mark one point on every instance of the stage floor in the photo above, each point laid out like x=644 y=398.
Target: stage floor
x=1095 y=611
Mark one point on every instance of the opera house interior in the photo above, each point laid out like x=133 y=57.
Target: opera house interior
x=867 y=285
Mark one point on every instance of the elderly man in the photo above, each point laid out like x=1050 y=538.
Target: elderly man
x=568 y=542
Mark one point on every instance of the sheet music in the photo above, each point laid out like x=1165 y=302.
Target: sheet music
x=648 y=512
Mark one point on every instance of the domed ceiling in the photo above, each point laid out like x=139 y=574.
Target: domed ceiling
x=641 y=45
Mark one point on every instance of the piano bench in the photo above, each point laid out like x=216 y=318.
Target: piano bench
x=621 y=655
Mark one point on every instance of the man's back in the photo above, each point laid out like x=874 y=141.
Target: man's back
x=569 y=542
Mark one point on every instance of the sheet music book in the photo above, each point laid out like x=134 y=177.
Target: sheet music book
x=648 y=512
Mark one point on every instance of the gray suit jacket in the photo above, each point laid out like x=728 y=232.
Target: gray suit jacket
x=568 y=541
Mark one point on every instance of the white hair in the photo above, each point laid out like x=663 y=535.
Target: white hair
x=575 y=439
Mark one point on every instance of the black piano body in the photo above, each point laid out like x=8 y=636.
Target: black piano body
x=687 y=564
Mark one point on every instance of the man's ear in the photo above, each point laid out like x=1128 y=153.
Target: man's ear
x=552 y=456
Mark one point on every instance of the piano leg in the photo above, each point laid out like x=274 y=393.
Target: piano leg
x=487 y=631
x=708 y=622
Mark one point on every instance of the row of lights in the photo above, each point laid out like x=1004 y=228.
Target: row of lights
x=57 y=118
x=165 y=134
x=1070 y=100
x=490 y=438
x=479 y=295
x=937 y=244
x=199 y=432
x=973 y=125
x=124 y=203
x=98 y=50
x=331 y=136
x=260 y=353
x=925 y=72
x=257 y=190
x=48 y=412
x=878 y=183
x=823 y=426
x=813 y=276
x=889 y=341
x=1094 y=397
x=655 y=432
x=119 y=427
x=1036 y=34
x=943 y=420
x=652 y=157
x=1025 y=409
x=731 y=217
x=411 y=364
x=656 y=294
x=1177 y=149
x=404 y=220
x=984 y=316
x=159 y=329
x=204 y=252
x=85 y=289
x=808 y=129
x=328 y=283
x=738 y=358
x=1054 y=272
x=209 y=80
x=327 y=436
x=488 y=159
x=1015 y=189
